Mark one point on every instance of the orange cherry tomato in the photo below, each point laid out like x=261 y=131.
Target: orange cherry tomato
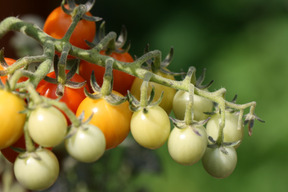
x=58 y=22
x=113 y=120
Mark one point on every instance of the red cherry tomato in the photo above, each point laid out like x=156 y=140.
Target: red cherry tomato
x=58 y=22
x=121 y=80
x=72 y=97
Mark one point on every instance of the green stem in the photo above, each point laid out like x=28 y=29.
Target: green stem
x=144 y=90
x=76 y=16
x=189 y=111
x=34 y=95
x=72 y=117
x=30 y=147
x=108 y=78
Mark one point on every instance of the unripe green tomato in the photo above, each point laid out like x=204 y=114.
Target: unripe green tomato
x=200 y=106
x=220 y=162
x=187 y=145
x=150 y=127
x=231 y=131
x=87 y=144
x=47 y=126
x=36 y=170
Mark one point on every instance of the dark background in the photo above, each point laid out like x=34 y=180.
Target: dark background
x=242 y=43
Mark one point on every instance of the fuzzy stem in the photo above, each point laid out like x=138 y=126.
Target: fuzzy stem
x=189 y=111
x=74 y=120
x=77 y=15
x=108 y=78
x=30 y=147
x=144 y=90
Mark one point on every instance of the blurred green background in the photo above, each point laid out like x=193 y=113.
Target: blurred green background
x=243 y=44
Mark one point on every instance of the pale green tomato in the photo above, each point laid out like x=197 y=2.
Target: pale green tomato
x=220 y=162
x=36 y=170
x=187 y=145
x=87 y=144
x=231 y=131
x=47 y=126
x=200 y=106
x=150 y=127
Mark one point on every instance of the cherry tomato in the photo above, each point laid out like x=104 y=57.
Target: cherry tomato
x=113 y=120
x=150 y=126
x=87 y=143
x=187 y=145
x=121 y=80
x=200 y=106
x=220 y=162
x=10 y=61
x=58 y=22
x=36 y=170
x=231 y=131
x=168 y=96
x=47 y=126
x=72 y=97
x=12 y=121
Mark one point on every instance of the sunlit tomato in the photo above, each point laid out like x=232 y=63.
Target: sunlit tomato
x=200 y=106
x=11 y=120
x=187 y=145
x=9 y=61
x=72 y=97
x=121 y=80
x=113 y=120
x=36 y=170
x=220 y=162
x=231 y=131
x=87 y=143
x=47 y=126
x=168 y=96
x=58 y=22
x=150 y=126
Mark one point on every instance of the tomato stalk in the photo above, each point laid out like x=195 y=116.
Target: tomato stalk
x=189 y=111
x=144 y=91
x=77 y=14
x=108 y=78
x=30 y=147
x=61 y=76
x=134 y=68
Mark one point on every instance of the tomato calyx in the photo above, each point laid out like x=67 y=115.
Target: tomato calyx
x=87 y=6
x=64 y=81
x=106 y=90
x=145 y=101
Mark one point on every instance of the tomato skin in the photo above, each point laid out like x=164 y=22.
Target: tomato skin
x=185 y=146
x=150 y=127
x=47 y=126
x=168 y=96
x=87 y=144
x=230 y=131
x=58 y=22
x=37 y=174
x=121 y=80
x=72 y=97
x=200 y=106
x=217 y=163
x=12 y=121
x=113 y=120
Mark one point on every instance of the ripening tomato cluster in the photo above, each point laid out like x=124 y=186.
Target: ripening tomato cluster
x=108 y=125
